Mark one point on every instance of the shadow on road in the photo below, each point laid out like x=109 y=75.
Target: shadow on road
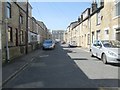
x=100 y=82
x=114 y=64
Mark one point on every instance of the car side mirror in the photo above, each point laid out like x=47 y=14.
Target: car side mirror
x=94 y=44
x=99 y=46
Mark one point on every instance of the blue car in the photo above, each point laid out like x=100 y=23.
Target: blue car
x=48 y=44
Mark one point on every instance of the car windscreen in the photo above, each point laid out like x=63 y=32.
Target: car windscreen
x=111 y=44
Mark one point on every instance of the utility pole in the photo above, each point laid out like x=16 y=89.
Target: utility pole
x=1 y=23
x=90 y=30
x=26 y=27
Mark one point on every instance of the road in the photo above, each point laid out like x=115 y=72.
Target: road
x=65 y=67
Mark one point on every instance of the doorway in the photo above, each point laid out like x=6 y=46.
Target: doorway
x=16 y=37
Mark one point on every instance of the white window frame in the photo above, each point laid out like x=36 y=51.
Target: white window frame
x=9 y=13
x=88 y=36
x=117 y=10
x=99 y=18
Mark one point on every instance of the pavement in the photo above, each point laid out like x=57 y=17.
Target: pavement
x=14 y=67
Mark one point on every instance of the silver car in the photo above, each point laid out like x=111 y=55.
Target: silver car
x=107 y=50
x=48 y=44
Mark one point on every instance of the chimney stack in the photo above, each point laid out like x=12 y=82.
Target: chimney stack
x=79 y=19
x=94 y=5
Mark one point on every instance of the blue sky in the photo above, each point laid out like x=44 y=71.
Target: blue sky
x=58 y=15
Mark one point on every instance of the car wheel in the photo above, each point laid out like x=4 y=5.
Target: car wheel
x=91 y=54
x=104 y=59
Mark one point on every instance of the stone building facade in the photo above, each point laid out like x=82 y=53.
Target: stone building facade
x=100 y=21
x=13 y=30
x=14 y=33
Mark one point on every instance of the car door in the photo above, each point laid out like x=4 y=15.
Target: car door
x=99 y=49
x=94 y=47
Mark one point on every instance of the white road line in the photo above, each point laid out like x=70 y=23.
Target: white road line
x=44 y=56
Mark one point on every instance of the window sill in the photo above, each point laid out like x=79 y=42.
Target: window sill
x=98 y=24
x=116 y=17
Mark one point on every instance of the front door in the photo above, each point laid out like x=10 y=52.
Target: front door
x=118 y=34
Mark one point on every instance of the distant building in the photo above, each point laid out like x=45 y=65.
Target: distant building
x=58 y=35
x=49 y=34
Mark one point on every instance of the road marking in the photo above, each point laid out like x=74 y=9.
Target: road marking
x=44 y=56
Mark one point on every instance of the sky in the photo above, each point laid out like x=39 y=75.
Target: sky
x=58 y=15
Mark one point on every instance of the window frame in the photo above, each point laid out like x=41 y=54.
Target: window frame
x=98 y=19
x=106 y=32
x=21 y=37
x=9 y=10
x=117 y=13
x=21 y=19
x=10 y=34
x=88 y=39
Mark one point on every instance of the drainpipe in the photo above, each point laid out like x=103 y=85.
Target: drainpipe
x=90 y=29
x=1 y=23
x=26 y=28
x=6 y=32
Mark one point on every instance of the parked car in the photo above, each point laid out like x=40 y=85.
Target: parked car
x=48 y=44
x=107 y=50
x=72 y=44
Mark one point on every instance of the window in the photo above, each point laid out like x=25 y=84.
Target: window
x=117 y=7
x=29 y=22
x=8 y=10
x=106 y=32
x=21 y=37
x=10 y=39
x=88 y=39
x=37 y=27
x=21 y=19
x=118 y=34
x=98 y=18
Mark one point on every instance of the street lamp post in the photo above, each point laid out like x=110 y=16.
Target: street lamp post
x=6 y=32
x=90 y=30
